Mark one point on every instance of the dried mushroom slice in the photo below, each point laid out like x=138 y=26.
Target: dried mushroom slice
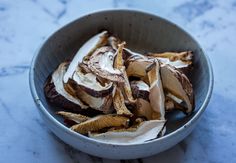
x=78 y=118
x=181 y=61
x=136 y=64
x=156 y=95
x=141 y=92
x=147 y=130
x=88 y=89
x=185 y=56
x=119 y=64
x=56 y=93
x=178 y=84
x=86 y=50
x=119 y=103
x=101 y=64
x=113 y=42
x=98 y=103
x=89 y=83
x=99 y=122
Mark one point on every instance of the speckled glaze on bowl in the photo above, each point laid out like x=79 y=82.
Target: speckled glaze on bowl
x=142 y=32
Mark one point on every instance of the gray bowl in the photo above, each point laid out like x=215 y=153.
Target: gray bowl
x=142 y=32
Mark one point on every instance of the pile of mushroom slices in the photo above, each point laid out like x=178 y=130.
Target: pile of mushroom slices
x=115 y=95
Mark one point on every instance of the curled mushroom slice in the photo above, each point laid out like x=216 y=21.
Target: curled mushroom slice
x=100 y=122
x=113 y=42
x=56 y=93
x=119 y=103
x=89 y=83
x=182 y=60
x=136 y=64
x=147 y=130
x=98 y=103
x=101 y=64
x=87 y=49
x=141 y=92
x=178 y=84
x=78 y=118
x=156 y=96
x=119 y=64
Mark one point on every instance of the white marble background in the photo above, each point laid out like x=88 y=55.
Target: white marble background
x=24 y=24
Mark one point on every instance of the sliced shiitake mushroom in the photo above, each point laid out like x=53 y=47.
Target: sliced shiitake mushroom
x=100 y=122
x=178 y=84
x=143 y=107
x=156 y=95
x=119 y=64
x=78 y=118
x=101 y=64
x=147 y=130
x=136 y=64
x=84 y=52
x=90 y=83
x=56 y=93
x=181 y=61
x=89 y=90
x=99 y=103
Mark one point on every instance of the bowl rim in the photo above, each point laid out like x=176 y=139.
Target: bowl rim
x=85 y=138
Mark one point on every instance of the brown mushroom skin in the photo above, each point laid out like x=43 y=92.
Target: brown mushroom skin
x=184 y=82
x=137 y=93
x=61 y=102
x=88 y=90
x=56 y=99
x=73 y=89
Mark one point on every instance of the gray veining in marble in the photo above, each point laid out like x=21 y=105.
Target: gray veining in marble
x=25 y=24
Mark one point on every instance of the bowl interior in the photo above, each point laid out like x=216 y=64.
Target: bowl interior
x=142 y=32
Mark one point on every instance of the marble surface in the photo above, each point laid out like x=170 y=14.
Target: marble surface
x=25 y=24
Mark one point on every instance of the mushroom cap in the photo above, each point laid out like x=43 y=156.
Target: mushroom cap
x=90 y=84
x=56 y=93
x=86 y=49
x=178 y=84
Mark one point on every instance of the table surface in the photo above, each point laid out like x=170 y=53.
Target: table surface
x=24 y=25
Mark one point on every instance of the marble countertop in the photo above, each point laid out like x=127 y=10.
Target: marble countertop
x=25 y=24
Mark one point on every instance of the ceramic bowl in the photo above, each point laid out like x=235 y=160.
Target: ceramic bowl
x=142 y=32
